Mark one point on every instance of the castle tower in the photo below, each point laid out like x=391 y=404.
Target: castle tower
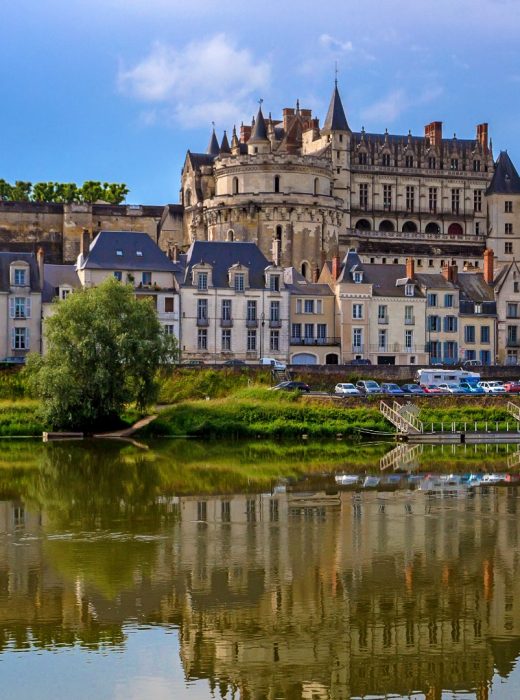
x=503 y=206
x=213 y=148
x=259 y=141
x=338 y=133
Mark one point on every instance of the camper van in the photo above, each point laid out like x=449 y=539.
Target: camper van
x=434 y=377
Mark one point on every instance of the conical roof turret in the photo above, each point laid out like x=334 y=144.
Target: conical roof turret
x=213 y=147
x=224 y=144
x=505 y=178
x=259 y=132
x=335 y=119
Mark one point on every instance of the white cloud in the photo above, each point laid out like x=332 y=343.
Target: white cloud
x=335 y=44
x=389 y=108
x=200 y=82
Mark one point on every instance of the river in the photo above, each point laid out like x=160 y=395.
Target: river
x=180 y=569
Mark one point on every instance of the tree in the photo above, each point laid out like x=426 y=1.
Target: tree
x=21 y=191
x=104 y=350
x=6 y=191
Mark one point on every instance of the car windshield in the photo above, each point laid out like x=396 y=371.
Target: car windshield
x=348 y=386
x=372 y=385
x=394 y=387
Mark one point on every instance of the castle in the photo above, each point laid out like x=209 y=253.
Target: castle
x=305 y=192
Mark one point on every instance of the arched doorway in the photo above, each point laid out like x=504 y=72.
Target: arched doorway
x=332 y=359
x=386 y=225
x=432 y=227
x=304 y=358
x=363 y=225
x=455 y=230
x=409 y=227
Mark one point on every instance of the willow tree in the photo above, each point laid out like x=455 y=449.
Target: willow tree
x=104 y=348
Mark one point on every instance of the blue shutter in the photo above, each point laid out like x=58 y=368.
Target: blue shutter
x=27 y=338
x=445 y=325
x=455 y=324
x=445 y=351
x=11 y=307
x=28 y=307
x=12 y=339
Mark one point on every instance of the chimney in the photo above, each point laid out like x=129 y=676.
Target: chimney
x=245 y=133
x=433 y=132
x=488 y=266
x=40 y=258
x=336 y=267
x=287 y=112
x=482 y=136
x=450 y=273
x=410 y=268
x=175 y=253
x=84 y=243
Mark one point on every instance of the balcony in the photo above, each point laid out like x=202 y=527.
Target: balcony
x=358 y=349
x=397 y=348
x=318 y=341
x=275 y=323
x=226 y=323
x=415 y=235
x=410 y=321
x=251 y=323
x=202 y=322
x=382 y=320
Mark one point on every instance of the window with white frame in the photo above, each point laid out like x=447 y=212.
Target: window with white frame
x=202 y=281
x=20 y=307
x=251 y=310
x=64 y=292
x=409 y=290
x=308 y=306
x=20 y=339
x=20 y=276
x=274 y=311
x=309 y=331
x=382 y=337
x=274 y=283
x=226 y=310
x=169 y=329
x=202 y=339
x=358 y=277
x=274 y=340
x=408 y=339
x=357 y=339
x=321 y=331
x=382 y=312
x=202 y=309
x=296 y=331
x=239 y=282
x=357 y=310
x=226 y=339
x=146 y=279
x=251 y=341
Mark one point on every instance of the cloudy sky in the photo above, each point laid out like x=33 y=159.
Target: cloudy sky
x=118 y=90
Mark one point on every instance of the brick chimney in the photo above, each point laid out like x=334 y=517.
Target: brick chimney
x=84 y=243
x=482 y=136
x=488 y=266
x=245 y=133
x=450 y=273
x=410 y=268
x=287 y=112
x=336 y=267
x=433 y=132
x=40 y=258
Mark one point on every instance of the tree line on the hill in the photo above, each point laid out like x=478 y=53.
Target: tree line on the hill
x=63 y=192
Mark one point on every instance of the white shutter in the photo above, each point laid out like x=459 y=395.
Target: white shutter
x=27 y=339
x=12 y=339
x=28 y=307
x=11 y=307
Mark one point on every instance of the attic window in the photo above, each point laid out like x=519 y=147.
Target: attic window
x=409 y=290
x=139 y=253
x=478 y=308
x=119 y=252
x=358 y=277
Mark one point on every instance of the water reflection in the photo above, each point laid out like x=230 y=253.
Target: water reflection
x=279 y=588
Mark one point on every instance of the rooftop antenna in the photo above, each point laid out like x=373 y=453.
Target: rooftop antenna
x=335 y=73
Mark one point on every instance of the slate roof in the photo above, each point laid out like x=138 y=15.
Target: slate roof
x=198 y=159
x=55 y=276
x=296 y=283
x=505 y=179
x=224 y=145
x=213 y=147
x=259 y=132
x=433 y=280
x=5 y=261
x=223 y=255
x=335 y=119
x=473 y=287
x=386 y=280
x=103 y=255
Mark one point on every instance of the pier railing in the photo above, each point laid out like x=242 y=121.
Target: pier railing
x=404 y=420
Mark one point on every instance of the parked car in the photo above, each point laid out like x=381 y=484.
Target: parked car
x=393 y=389
x=492 y=387
x=368 y=386
x=512 y=387
x=192 y=363
x=451 y=388
x=271 y=362
x=292 y=386
x=413 y=389
x=468 y=364
x=472 y=388
x=360 y=361
x=346 y=389
x=433 y=389
x=234 y=363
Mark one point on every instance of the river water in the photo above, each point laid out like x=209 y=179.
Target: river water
x=189 y=570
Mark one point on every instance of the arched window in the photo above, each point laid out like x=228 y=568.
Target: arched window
x=235 y=185
x=432 y=227
x=276 y=183
x=278 y=233
x=409 y=227
x=231 y=235
x=305 y=270
x=386 y=225
x=363 y=225
x=316 y=185
x=455 y=230
x=187 y=198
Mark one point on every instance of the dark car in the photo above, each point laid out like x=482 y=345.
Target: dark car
x=359 y=361
x=192 y=363
x=292 y=386
x=234 y=363
x=390 y=388
x=412 y=389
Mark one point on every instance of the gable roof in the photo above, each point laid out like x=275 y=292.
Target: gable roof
x=335 y=119
x=103 y=253
x=56 y=276
x=505 y=179
x=298 y=284
x=221 y=256
x=5 y=262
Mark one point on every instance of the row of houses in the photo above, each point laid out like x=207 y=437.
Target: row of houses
x=225 y=301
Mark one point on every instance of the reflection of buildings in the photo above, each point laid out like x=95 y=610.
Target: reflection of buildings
x=291 y=595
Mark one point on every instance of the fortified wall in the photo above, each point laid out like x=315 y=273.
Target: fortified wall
x=57 y=228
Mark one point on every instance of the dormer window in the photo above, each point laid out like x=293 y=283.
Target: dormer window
x=20 y=276
x=478 y=308
x=202 y=281
x=386 y=160
x=274 y=283
x=239 y=282
x=119 y=252
x=409 y=290
x=139 y=253
x=147 y=278
x=358 y=277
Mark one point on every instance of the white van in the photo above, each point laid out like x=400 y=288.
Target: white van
x=434 y=377
x=271 y=362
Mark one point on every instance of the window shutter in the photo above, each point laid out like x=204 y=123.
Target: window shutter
x=12 y=339
x=27 y=339
x=11 y=307
x=28 y=307
x=455 y=323
x=445 y=353
x=445 y=326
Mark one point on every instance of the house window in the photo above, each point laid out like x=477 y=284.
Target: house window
x=408 y=161
x=382 y=340
x=202 y=309
x=477 y=228
x=226 y=339
x=169 y=329
x=450 y=350
x=469 y=334
x=363 y=195
x=274 y=340
x=20 y=276
x=387 y=197
x=20 y=307
x=409 y=290
x=274 y=312
x=358 y=277
x=382 y=312
x=431 y=163
x=20 y=339
x=454 y=164
x=168 y=305
x=408 y=340
x=476 y=166
x=410 y=197
x=362 y=158
x=202 y=339
x=226 y=309
x=408 y=315
x=119 y=253
x=484 y=334
x=202 y=510
x=448 y=301
x=455 y=200
x=308 y=330
x=516 y=287
x=432 y=299
x=512 y=310
x=386 y=160
x=450 y=324
x=308 y=306
x=434 y=324
x=509 y=229
x=357 y=339
x=508 y=247
x=432 y=199
x=146 y=278
x=321 y=331
x=296 y=331
x=202 y=281
x=357 y=311
x=118 y=275
x=239 y=282
x=477 y=200
x=274 y=283
x=225 y=511
x=478 y=308
x=485 y=357
x=430 y=263
x=251 y=341
x=251 y=310
x=508 y=207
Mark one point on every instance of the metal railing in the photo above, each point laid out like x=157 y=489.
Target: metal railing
x=317 y=341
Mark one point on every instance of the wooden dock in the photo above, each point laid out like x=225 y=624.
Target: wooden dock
x=459 y=438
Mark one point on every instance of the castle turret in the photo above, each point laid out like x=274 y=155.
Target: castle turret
x=259 y=141
x=224 y=145
x=213 y=147
x=503 y=200
x=338 y=132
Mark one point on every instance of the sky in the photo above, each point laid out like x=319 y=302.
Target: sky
x=119 y=90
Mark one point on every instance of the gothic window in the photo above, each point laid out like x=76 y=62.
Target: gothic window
x=235 y=185
x=454 y=164
x=432 y=163
x=409 y=161
x=410 y=197
x=363 y=195
x=387 y=197
x=432 y=198
x=187 y=197
x=316 y=185
x=362 y=158
x=231 y=235
x=477 y=200
x=476 y=166
x=455 y=201
x=386 y=159
x=278 y=233
x=277 y=183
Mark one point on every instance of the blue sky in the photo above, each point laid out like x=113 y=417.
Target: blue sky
x=118 y=90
